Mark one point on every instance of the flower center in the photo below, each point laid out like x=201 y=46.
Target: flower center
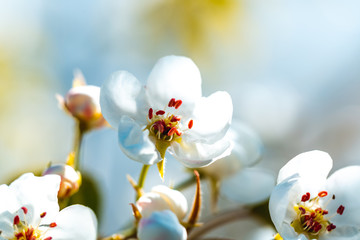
x=24 y=231
x=312 y=219
x=166 y=127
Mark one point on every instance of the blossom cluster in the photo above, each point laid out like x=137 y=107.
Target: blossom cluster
x=168 y=117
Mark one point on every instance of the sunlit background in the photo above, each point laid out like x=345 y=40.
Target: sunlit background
x=292 y=68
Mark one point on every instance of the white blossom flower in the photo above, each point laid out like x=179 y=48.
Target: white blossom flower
x=168 y=113
x=162 y=198
x=307 y=205
x=29 y=211
x=161 y=225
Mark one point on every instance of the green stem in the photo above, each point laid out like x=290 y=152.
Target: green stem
x=142 y=178
x=79 y=134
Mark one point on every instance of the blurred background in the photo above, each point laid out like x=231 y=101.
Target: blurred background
x=292 y=68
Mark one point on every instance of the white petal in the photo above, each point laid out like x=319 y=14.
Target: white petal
x=344 y=233
x=212 y=117
x=37 y=193
x=174 y=77
x=313 y=166
x=174 y=198
x=253 y=185
x=281 y=205
x=6 y=225
x=345 y=184
x=74 y=223
x=194 y=155
x=8 y=200
x=135 y=142
x=161 y=225
x=121 y=95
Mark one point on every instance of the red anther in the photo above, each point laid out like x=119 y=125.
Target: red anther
x=317 y=227
x=322 y=194
x=178 y=132
x=19 y=235
x=172 y=131
x=42 y=215
x=305 y=197
x=150 y=113
x=171 y=102
x=48 y=238
x=302 y=210
x=325 y=212
x=16 y=220
x=160 y=112
x=53 y=224
x=340 y=210
x=29 y=234
x=177 y=104
x=190 y=124
x=318 y=210
x=159 y=125
x=175 y=118
x=25 y=210
x=330 y=227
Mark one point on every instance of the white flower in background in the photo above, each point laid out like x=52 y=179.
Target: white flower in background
x=247 y=150
x=162 y=225
x=306 y=205
x=168 y=113
x=82 y=102
x=162 y=198
x=29 y=210
x=235 y=171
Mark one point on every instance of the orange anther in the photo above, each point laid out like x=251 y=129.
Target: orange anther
x=190 y=124
x=53 y=224
x=322 y=194
x=172 y=131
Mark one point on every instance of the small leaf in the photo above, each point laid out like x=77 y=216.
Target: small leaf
x=161 y=167
x=136 y=212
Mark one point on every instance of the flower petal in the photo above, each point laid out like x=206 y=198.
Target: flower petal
x=282 y=200
x=313 y=166
x=162 y=198
x=135 y=142
x=195 y=155
x=37 y=193
x=174 y=77
x=211 y=117
x=174 y=198
x=8 y=200
x=161 y=225
x=262 y=184
x=345 y=184
x=74 y=223
x=121 y=95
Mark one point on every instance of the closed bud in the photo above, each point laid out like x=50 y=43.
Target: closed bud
x=82 y=102
x=70 y=179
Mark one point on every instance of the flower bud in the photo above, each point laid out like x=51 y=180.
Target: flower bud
x=83 y=103
x=161 y=225
x=70 y=179
x=162 y=198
